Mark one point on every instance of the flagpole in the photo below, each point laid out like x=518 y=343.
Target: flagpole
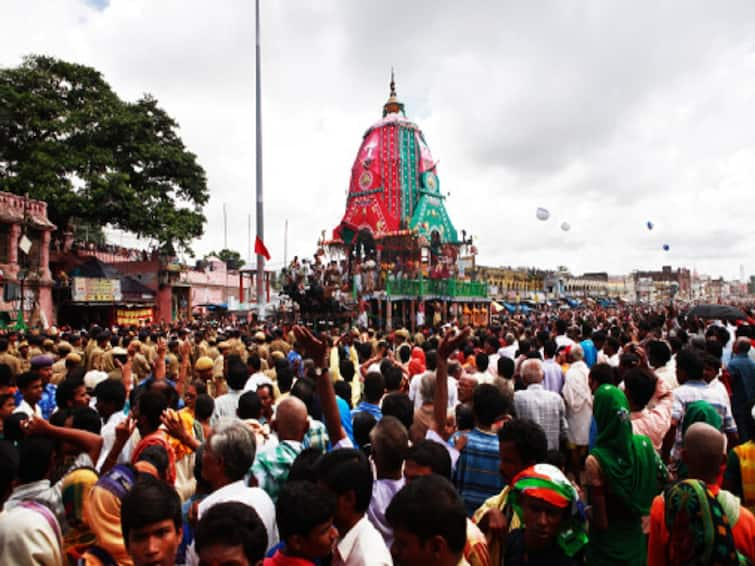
x=260 y=215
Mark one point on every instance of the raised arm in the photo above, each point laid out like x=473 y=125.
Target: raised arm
x=317 y=351
x=87 y=441
x=447 y=346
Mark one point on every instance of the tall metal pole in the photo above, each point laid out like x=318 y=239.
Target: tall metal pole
x=225 y=228
x=260 y=213
x=285 y=244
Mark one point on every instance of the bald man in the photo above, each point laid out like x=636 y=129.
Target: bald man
x=272 y=464
x=704 y=452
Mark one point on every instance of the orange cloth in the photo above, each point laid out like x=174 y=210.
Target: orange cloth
x=158 y=438
x=743 y=532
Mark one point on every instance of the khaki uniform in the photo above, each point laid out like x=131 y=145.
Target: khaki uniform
x=108 y=363
x=116 y=373
x=279 y=345
x=171 y=365
x=218 y=368
x=95 y=359
x=24 y=364
x=140 y=366
x=12 y=362
x=59 y=371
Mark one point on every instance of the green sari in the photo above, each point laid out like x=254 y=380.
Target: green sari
x=632 y=472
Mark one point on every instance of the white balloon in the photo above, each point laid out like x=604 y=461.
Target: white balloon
x=565 y=227
x=542 y=214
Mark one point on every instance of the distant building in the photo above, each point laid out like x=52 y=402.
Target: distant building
x=663 y=284
x=24 y=221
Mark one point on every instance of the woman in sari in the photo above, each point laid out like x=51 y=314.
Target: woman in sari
x=699 y=530
x=75 y=490
x=103 y=512
x=623 y=473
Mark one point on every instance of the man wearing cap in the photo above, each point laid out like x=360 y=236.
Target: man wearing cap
x=120 y=357
x=95 y=359
x=139 y=365
x=35 y=345
x=279 y=344
x=204 y=371
x=24 y=359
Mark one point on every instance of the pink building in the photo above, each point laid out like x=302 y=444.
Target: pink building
x=180 y=288
x=25 y=275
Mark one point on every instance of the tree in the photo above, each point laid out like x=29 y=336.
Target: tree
x=66 y=138
x=232 y=259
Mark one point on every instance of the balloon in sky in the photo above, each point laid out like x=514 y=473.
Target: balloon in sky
x=666 y=247
x=542 y=214
x=649 y=225
x=565 y=227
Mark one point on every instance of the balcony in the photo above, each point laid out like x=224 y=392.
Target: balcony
x=453 y=288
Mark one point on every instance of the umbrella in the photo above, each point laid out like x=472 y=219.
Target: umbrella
x=723 y=312
x=497 y=307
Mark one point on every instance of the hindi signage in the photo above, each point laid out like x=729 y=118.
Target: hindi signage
x=96 y=290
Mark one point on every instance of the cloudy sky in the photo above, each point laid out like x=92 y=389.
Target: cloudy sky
x=609 y=114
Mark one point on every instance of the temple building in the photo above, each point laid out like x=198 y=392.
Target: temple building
x=395 y=256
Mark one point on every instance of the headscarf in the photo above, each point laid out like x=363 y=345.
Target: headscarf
x=699 y=530
x=76 y=488
x=418 y=354
x=416 y=367
x=628 y=461
x=157 y=438
x=701 y=412
x=103 y=511
x=548 y=483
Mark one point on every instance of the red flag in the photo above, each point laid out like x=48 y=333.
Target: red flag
x=260 y=249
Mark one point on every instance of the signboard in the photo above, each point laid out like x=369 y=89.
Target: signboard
x=131 y=317
x=95 y=290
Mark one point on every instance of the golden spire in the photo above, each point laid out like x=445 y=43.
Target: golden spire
x=393 y=106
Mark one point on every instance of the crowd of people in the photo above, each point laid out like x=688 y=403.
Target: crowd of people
x=591 y=436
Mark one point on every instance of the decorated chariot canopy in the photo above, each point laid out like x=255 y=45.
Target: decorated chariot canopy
x=394 y=190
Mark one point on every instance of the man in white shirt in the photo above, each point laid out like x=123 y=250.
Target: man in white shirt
x=110 y=398
x=561 y=338
x=431 y=361
x=227 y=456
x=226 y=405
x=30 y=385
x=256 y=377
x=491 y=347
x=509 y=350
x=390 y=442
x=347 y=474
x=578 y=399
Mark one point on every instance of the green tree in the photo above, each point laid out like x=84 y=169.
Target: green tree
x=231 y=258
x=68 y=139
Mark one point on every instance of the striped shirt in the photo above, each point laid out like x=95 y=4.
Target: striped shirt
x=477 y=476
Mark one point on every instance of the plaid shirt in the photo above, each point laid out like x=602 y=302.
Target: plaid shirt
x=477 y=476
x=272 y=466
x=317 y=436
x=544 y=407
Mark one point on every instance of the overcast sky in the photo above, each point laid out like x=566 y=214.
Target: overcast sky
x=609 y=114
